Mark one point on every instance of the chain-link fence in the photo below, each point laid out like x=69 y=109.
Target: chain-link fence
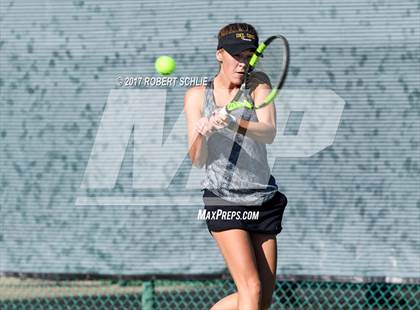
x=19 y=293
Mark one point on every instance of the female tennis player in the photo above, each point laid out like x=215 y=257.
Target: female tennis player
x=238 y=180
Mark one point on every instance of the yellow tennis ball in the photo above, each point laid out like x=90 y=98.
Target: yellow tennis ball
x=165 y=65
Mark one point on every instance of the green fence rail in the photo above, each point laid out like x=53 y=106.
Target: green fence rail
x=18 y=293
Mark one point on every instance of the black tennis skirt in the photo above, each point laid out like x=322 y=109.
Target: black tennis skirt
x=265 y=218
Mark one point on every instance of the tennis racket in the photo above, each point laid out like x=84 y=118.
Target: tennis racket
x=268 y=65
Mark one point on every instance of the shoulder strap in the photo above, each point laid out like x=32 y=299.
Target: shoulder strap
x=208 y=99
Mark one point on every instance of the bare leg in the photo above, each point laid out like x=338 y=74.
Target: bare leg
x=265 y=247
x=230 y=302
x=237 y=249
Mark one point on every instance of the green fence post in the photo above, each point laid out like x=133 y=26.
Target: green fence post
x=148 y=297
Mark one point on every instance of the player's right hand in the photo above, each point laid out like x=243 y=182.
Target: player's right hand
x=219 y=120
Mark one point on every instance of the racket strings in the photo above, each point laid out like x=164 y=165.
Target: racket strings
x=268 y=70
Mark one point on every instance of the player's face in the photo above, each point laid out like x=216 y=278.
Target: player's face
x=233 y=66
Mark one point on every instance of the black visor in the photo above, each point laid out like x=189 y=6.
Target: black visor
x=235 y=43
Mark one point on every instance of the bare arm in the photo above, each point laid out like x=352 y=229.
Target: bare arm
x=264 y=130
x=197 y=145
